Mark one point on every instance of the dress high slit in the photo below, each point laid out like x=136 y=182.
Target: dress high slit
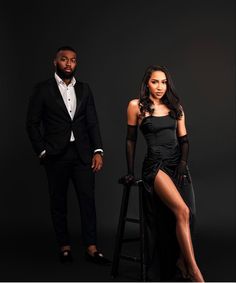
x=163 y=153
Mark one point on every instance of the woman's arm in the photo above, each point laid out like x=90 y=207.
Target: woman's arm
x=131 y=138
x=181 y=128
x=132 y=112
x=184 y=148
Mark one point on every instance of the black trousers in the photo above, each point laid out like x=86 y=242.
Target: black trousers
x=60 y=170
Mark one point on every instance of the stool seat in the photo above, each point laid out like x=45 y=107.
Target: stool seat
x=121 y=229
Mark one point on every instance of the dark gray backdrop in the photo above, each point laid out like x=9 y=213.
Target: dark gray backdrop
x=116 y=41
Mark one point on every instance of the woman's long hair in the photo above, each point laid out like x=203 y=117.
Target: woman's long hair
x=170 y=98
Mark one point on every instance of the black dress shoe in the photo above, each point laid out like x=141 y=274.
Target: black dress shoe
x=97 y=258
x=66 y=257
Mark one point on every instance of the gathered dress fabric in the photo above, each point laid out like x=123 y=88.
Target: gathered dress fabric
x=163 y=153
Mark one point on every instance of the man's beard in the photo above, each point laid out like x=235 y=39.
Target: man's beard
x=63 y=74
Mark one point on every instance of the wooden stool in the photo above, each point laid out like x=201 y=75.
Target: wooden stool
x=121 y=229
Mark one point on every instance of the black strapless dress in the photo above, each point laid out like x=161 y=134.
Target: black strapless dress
x=163 y=153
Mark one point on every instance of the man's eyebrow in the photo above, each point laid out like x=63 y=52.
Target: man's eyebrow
x=63 y=56
x=159 y=80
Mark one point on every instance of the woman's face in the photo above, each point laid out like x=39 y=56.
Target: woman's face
x=157 y=84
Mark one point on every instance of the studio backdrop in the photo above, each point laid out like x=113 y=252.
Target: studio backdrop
x=116 y=41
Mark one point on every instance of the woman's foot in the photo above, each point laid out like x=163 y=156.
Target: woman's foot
x=195 y=275
x=192 y=274
x=182 y=267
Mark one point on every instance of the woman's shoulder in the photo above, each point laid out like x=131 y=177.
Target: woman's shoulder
x=133 y=106
x=134 y=102
x=182 y=109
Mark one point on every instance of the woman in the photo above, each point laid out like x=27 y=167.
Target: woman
x=169 y=206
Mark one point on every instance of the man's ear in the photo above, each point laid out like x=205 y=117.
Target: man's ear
x=54 y=62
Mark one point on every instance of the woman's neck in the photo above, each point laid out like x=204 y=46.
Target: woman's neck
x=156 y=101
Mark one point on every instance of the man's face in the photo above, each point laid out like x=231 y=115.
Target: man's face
x=65 y=63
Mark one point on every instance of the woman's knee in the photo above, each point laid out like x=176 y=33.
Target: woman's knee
x=183 y=213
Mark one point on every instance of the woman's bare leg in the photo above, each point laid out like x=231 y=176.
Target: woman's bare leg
x=168 y=193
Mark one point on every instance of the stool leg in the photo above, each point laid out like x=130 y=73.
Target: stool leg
x=120 y=231
x=142 y=240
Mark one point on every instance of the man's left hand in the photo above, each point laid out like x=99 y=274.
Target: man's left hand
x=97 y=162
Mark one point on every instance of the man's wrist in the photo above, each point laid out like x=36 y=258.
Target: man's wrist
x=98 y=151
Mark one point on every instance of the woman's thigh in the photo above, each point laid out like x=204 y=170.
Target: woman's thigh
x=167 y=192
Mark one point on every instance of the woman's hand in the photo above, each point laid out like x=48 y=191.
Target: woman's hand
x=128 y=179
x=180 y=171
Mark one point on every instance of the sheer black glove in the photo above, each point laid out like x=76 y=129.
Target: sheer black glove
x=131 y=138
x=181 y=168
x=127 y=179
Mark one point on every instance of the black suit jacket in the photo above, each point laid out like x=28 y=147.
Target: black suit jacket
x=49 y=124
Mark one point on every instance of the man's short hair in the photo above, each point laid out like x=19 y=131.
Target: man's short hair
x=62 y=48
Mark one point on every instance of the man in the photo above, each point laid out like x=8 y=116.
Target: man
x=63 y=128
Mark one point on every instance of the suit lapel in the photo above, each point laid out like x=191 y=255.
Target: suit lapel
x=79 y=94
x=60 y=101
x=58 y=96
